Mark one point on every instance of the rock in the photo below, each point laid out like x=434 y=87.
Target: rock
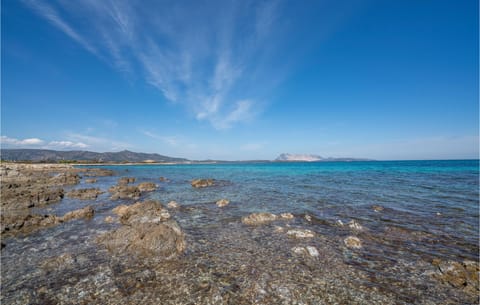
x=312 y=251
x=163 y=179
x=27 y=196
x=201 y=183
x=377 y=208
x=259 y=218
x=92 y=180
x=109 y=219
x=146 y=232
x=172 y=205
x=28 y=223
x=222 y=202
x=462 y=275
x=126 y=180
x=124 y=192
x=309 y=250
x=287 y=216
x=86 y=212
x=353 y=242
x=340 y=223
x=63 y=261
x=300 y=233
x=308 y=218
x=65 y=179
x=355 y=226
x=85 y=194
x=147 y=187
x=278 y=229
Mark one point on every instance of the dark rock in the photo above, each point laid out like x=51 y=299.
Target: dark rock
x=124 y=192
x=85 y=194
x=462 y=275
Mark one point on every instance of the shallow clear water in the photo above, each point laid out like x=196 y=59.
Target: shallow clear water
x=431 y=210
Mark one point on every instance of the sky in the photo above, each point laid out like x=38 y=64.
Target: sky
x=238 y=80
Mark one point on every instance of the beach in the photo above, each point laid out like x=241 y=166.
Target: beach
x=378 y=232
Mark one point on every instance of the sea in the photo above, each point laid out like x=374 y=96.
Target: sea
x=407 y=214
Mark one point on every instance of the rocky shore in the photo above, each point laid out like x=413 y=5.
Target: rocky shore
x=124 y=246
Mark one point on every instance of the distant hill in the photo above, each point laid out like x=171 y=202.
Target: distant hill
x=311 y=158
x=39 y=155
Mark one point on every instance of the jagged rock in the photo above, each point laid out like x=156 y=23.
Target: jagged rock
x=28 y=196
x=126 y=180
x=146 y=232
x=65 y=179
x=222 y=202
x=92 y=180
x=200 y=183
x=353 y=242
x=124 y=192
x=172 y=205
x=86 y=212
x=96 y=172
x=300 y=233
x=85 y=194
x=147 y=187
x=259 y=218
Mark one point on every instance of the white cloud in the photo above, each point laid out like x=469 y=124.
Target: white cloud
x=16 y=142
x=205 y=56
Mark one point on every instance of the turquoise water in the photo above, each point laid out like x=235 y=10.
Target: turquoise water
x=438 y=197
x=430 y=211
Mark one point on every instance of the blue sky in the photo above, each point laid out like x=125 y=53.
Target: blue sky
x=242 y=79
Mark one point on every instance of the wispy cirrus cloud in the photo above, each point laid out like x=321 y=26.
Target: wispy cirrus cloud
x=211 y=57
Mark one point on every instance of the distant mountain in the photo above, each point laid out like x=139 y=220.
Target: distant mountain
x=312 y=158
x=38 y=155
x=298 y=157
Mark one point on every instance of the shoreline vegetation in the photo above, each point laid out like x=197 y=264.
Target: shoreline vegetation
x=147 y=250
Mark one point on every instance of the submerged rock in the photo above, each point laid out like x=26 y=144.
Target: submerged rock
x=259 y=218
x=309 y=250
x=300 y=233
x=126 y=180
x=85 y=194
x=222 y=202
x=92 y=180
x=23 y=222
x=172 y=205
x=353 y=242
x=287 y=216
x=377 y=208
x=462 y=275
x=201 y=183
x=147 y=187
x=147 y=231
x=355 y=226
